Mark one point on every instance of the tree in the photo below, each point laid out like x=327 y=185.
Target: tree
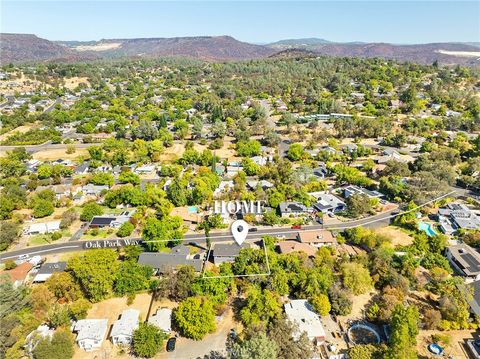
x=8 y=234
x=60 y=346
x=261 y=307
x=90 y=210
x=168 y=227
x=404 y=330
x=282 y=333
x=321 y=304
x=96 y=272
x=358 y=205
x=129 y=177
x=356 y=278
x=79 y=308
x=125 y=229
x=102 y=178
x=340 y=301
x=258 y=347
x=368 y=351
x=131 y=278
x=295 y=152
x=248 y=148
x=64 y=287
x=42 y=208
x=147 y=340
x=195 y=317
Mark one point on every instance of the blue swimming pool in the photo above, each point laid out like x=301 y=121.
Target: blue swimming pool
x=192 y=209
x=427 y=228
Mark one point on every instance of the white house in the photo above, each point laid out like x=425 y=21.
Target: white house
x=145 y=169
x=122 y=330
x=162 y=319
x=42 y=228
x=90 y=333
x=300 y=312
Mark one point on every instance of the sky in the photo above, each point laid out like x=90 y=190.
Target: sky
x=258 y=22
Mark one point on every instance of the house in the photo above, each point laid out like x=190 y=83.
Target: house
x=43 y=331
x=232 y=171
x=47 y=269
x=352 y=190
x=263 y=184
x=224 y=252
x=321 y=171
x=473 y=347
x=286 y=247
x=90 y=333
x=456 y=216
x=61 y=191
x=122 y=330
x=261 y=160
x=301 y=314
x=163 y=262
x=145 y=169
x=292 y=209
x=19 y=274
x=328 y=203
x=43 y=228
x=317 y=238
x=81 y=169
x=94 y=190
x=162 y=319
x=465 y=260
x=223 y=187
x=102 y=221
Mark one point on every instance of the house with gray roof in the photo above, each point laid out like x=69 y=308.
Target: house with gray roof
x=90 y=333
x=179 y=256
x=47 y=270
x=351 y=190
x=456 y=216
x=465 y=260
x=293 y=209
x=122 y=330
x=328 y=203
x=162 y=319
x=227 y=252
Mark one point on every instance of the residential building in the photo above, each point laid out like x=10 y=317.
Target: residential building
x=321 y=171
x=352 y=189
x=179 y=256
x=292 y=209
x=465 y=260
x=47 y=269
x=328 y=203
x=263 y=184
x=19 y=274
x=316 y=238
x=300 y=313
x=286 y=247
x=122 y=330
x=456 y=216
x=43 y=228
x=227 y=252
x=94 y=190
x=90 y=333
x=162 y=319
x=145 y=169
x=102 y=221
x=82 y=168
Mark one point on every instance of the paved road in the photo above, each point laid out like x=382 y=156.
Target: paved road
x=382 y=219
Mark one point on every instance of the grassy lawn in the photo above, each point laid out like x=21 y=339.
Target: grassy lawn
x=39 y=240
x=101 y=234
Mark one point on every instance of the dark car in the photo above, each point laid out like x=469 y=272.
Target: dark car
x=171 y=344
x=253 y=229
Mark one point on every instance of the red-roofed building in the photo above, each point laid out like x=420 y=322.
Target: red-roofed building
x=18 y=274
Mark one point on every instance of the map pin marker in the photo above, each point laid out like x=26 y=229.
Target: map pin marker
x=239 y=231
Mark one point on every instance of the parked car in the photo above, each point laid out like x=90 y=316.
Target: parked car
x=23 y=257
x=171 y=344
x=253 y=229
x=296 y=226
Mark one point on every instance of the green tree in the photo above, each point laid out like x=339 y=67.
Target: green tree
x=129 y=177
x=195 y=317
x=60 y=346
x=168 y=227
x=125 y=229
x=131 y=278
x=96 y=271
x=8 y=234
x=79 y=308
x=42 y=208
x=147 y=340
x=90 y=210
x=261 y=307
x=258 y=347
x=356 y=278
x=321 y=304
x=404 y=330
x=295 y=152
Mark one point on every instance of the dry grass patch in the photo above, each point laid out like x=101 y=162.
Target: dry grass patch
x=399 y=237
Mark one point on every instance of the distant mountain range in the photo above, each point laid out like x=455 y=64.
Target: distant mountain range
x=30 y=48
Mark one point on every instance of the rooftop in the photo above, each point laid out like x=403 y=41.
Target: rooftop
x=300 y=312
x=127 y=323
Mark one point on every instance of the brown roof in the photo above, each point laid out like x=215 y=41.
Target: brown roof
x=20 y=272
x=320 y=236
x=293 y=246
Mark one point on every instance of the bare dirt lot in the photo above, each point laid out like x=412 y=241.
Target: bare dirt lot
x=455 y=349
x=399 y=238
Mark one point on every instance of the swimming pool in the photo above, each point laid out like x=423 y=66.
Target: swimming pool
x=192 y=209
x=427 y=228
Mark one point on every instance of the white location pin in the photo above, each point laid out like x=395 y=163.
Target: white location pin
x=239 y=231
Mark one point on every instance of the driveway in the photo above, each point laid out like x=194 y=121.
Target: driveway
x=191 y=349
